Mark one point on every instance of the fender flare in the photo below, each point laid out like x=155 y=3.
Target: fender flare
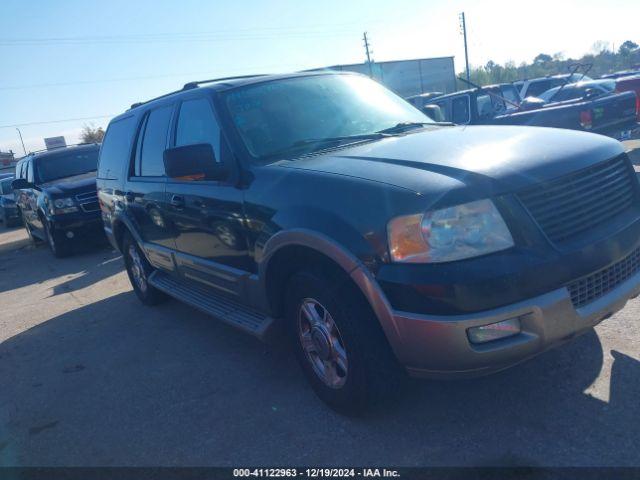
x=352 y=266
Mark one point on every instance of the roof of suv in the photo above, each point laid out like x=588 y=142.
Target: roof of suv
x=49 y=153
x=226 y=83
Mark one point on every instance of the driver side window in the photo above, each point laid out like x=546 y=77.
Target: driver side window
x=197 y=124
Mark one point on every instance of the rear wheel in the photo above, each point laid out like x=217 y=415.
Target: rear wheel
x=59 y=246
x=338 y=341
x=139 y=270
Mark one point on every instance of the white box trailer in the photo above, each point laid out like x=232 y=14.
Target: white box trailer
x=409 y=77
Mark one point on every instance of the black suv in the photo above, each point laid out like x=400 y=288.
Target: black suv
x=381 y=240
x=56 y=195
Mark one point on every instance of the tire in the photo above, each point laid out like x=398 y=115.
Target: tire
x=59 y=246
x=353 y=367
x=139 y=269
x=27 y=227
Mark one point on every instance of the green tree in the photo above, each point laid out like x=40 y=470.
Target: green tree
x=91 y=134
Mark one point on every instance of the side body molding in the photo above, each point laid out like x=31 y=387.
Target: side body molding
x=358 y=272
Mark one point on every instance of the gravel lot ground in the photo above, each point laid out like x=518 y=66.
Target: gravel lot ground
x=89 y=376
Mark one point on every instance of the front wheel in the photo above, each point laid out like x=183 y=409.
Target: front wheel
x=338 y=342
x=139 y=270
x=59 y=246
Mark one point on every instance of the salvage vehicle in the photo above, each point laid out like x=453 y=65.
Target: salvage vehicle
x=8 y=210
x=381 y=241
x=622 y=74
x=535 y=86
x=613 y=114
x=594 y=89
x=56 y=196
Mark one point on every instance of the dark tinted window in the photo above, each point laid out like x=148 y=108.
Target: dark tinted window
x=28 y=172
x=116 y=147
x=5 y=186
x=63 y=165
x=460 y=109
x=154 y=142
x=536 y=88
x=197 y=124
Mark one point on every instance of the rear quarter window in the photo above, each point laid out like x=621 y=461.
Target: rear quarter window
x=116 y=148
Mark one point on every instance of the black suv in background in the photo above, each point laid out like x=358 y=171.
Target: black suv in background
x=379 y=238
x=56 y=195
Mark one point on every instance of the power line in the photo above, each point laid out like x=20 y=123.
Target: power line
x=44 y=122
x=124 y=79
x=175 y=37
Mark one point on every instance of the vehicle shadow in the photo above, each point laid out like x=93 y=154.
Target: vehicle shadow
x=117 y=383
x=90 y=262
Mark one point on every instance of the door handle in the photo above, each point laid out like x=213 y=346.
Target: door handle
x=129 y=197
x=177 y=201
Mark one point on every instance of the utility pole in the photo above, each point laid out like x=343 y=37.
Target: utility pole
x=21 y=141
x=463 y=28
x=366 y=47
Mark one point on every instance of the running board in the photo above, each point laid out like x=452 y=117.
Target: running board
x=212 y=303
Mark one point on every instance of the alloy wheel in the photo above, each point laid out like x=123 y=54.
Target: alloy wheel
x=322 y=343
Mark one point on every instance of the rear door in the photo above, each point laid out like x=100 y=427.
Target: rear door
x=207 y=216
x=145 y=194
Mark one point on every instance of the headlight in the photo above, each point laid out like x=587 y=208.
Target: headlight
x=63 y=205
x=64 y=202
x=449 y=234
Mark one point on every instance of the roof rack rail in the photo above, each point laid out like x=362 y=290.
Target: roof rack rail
x=56 y=148
x=190 y=85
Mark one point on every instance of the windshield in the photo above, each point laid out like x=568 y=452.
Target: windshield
x=272 y=117
x=54 y=167
x=578 y=90
x=5 y=186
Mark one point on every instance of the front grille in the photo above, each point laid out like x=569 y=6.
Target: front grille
x=83 y=197
x=594 y=286
x=580 y=201
x=90 y=206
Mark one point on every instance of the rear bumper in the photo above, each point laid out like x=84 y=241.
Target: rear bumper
x=437 y=346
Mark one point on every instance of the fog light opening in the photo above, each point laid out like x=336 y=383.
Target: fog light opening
x=494 y=331
x=69 y=235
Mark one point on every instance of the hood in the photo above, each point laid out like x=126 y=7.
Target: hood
x=85 y=182
x=496 y=159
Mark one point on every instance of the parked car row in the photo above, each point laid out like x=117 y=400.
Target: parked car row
x=56 y=198
x=381 y=241
x=608 y=106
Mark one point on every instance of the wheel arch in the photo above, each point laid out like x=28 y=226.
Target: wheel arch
x=282 y=253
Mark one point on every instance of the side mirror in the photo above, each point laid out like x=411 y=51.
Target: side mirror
x=21 y=183
x=531 y=103
x=591 y=93
x=193 y=162
x=434 y=112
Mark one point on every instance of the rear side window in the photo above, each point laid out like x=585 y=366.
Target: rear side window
x=536 y=88
x=29 y=171
x=197 y=124
x=460 y=110
x=116 y=148
x=154 y=142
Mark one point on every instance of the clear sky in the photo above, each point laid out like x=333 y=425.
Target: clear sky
x=73 y=59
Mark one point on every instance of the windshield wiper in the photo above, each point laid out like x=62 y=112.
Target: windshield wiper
x=327 y=141
x=404 y=126
x=322 y=141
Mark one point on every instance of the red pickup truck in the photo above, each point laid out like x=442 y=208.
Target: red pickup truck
x=630 y=84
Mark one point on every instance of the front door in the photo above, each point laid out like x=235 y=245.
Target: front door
x=207 y=216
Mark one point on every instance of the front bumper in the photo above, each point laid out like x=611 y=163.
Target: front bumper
x=437 y=346
x=80 y=224
x=11 y=213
